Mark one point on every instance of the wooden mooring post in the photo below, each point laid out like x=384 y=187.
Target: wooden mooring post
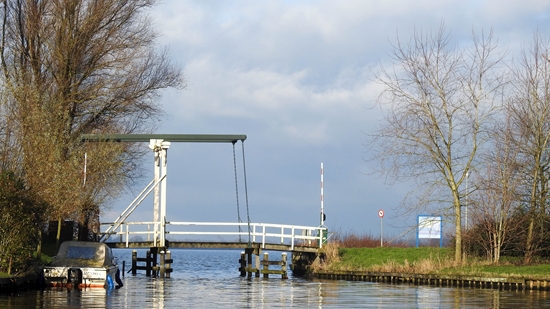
x=166 y=261
x=162 y=269
x=246 y=267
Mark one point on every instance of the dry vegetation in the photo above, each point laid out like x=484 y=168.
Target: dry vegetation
x=422 y=266
x=366 y=240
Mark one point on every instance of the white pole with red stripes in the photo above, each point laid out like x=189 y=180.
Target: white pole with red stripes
x=322 y=198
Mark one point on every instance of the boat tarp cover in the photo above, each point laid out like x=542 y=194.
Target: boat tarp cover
x=83 y=254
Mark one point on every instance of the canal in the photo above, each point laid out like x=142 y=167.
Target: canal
x=210 y=279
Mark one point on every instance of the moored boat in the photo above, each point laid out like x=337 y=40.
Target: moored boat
x=83 y=264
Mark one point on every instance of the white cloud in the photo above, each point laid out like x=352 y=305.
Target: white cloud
x=295 y=76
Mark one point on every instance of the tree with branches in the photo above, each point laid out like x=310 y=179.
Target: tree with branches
x=529 y=110
x=495 y=202
x=437 y=99
x=73 y=67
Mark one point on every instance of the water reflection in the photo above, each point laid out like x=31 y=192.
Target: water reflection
x=210 y=279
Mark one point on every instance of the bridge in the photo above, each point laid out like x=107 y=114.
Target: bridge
x=199 y=235
x=303 y=242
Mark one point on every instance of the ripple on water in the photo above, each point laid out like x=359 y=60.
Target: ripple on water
x=210 y=279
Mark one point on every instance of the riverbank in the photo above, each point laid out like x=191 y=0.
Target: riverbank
x=503 y=283
x=27 y=279
x=429 y=266
x=18 y=283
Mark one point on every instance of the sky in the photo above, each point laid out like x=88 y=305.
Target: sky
x=297 y=77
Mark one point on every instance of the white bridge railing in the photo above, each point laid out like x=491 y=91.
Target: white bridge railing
x=263 y=233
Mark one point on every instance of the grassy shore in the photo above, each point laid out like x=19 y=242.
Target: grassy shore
x=425 y=260
x=34 y=264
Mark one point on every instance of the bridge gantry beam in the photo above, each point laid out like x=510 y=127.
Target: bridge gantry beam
x=175 y=138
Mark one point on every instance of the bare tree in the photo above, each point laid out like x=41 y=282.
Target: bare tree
x=529 y=108
x=496 y=200
x=71 y=67
x=437 y=98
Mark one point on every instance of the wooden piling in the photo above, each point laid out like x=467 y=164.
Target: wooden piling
x=148 y=263
x=162 y=269
x=257 y=264
x=242 y=262
x=153 y=260
x=249 y=262
x=266 y=265
x=134 y=262
x=246 y=268
x=266 y=271
x=284 y=266
x=246 y=263
x=162 y=265
x=168 y=262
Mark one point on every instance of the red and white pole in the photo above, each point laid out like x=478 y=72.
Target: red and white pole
x=322 y=198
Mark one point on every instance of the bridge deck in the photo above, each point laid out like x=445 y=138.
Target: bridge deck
x=216 y=235
x=216 y=245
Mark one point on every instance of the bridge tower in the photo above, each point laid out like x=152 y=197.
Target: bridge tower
x=160 y=149
x=159 y=143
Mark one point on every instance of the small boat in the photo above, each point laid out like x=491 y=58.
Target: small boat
x=82 y=264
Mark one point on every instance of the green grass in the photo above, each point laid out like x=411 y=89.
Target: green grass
x=44 y=258
x=365 y=258
x=539 y=271
x=429 y=260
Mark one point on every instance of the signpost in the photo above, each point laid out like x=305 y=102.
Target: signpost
x=429 y=227
x=381 y=215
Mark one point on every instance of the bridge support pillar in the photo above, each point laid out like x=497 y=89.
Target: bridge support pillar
x=261 y=266
x=257 y=263
x=266 y=264
x=301 y=262
x=151 y=267
x=242 y=261
x=134 y=262
x=247 y=267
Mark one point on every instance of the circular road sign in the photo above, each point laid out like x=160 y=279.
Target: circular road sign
x=381 y=213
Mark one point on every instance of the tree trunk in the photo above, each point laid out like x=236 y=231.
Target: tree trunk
x=39 y=246
x=58 y=235
x=458 y=231
x=9 y=266
x=529 y=242
x=83 y=230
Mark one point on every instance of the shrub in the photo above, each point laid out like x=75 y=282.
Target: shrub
x=20 y=221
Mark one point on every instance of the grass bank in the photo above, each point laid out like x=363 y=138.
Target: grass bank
x=424 y=260
x=34 y=264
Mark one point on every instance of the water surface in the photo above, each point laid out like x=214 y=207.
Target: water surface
x=210 y=279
